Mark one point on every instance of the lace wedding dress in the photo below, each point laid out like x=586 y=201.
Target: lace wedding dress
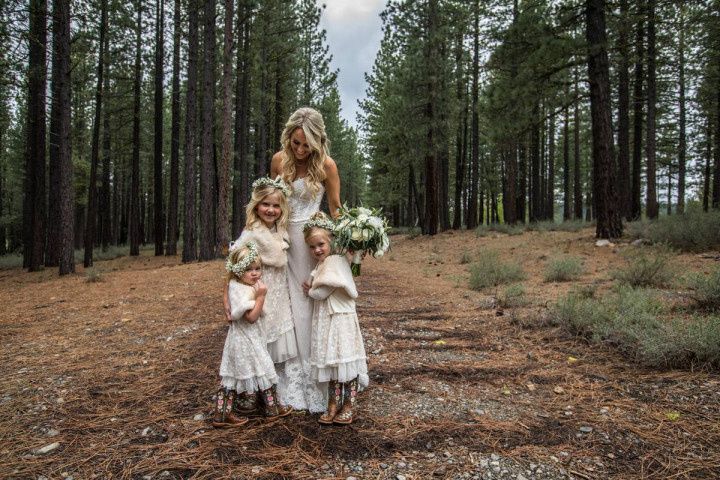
x=295 y=387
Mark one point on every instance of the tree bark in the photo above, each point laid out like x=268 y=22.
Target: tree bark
x=624 y=112
x=91 y=218
x=472 y=213
x=459 y=164
x=241 y=181
x=190 y=150
x=550 y=202
x=158 y=220
x=207 y=172
x=638 y=101
x=105 y=220
x=651 y=139
x=577 y=187
x=222 y=222
x=605 y=201
x=172 y=216
x=134 y=216
x=61 y=45
x=34 y=199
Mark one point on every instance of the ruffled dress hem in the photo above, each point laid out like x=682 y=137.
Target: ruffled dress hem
x=250 y=385
x=284 y=348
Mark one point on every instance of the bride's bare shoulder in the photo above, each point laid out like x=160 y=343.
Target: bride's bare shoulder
x=276 y=163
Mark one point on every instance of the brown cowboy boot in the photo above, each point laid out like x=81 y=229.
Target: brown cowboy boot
x=334 y=394
x=345 y=417
x=224 y=416
x=273 y=409
x=247 y=404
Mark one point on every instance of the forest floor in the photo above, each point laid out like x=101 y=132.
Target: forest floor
x=115 y=378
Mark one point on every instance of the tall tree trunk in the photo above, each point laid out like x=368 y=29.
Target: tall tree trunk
x=535 y=186
x=159 y=224
x=650 y=142
x=605 y=201
x=134 y=217
x=624 y=112
x=682 y=143
x=61 y=45
x=222 y=222
x=106 y=220
x=241 y=183
x=431 y=158
x=190 y=150
x=638 y=101
x=172 y=217
x=577 y=187
x=522 y=187
x=567 y=204
x=550 y=202
x=91 y=219
x=706 y=170
x=207 y=172
x=459 y=164
x=472 y=214
x=669 y=189
x=34 y=199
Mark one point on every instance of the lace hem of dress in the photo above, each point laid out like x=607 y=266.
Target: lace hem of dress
x=343 y=372
x=284 y=348
x=250 y=385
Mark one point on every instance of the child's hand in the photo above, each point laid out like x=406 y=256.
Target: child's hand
x=228 y=314
x=306 y=287
x=260 y=288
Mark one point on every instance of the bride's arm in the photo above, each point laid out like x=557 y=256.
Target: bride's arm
x=332 y=186
x=276 y=165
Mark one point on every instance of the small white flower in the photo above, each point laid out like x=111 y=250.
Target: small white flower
x=363 y=217
x=363 y=210
x=356 y=234
x=375 y=222
x=366 y=234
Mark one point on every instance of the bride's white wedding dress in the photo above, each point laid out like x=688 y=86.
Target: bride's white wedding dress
x=295 y=386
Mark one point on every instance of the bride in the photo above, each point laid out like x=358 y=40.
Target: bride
x=304 y=164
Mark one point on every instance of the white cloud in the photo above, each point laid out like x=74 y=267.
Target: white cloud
x=354 y=34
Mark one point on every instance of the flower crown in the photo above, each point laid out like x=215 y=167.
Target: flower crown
x=323 y=223
x=240 y=267
x=277 y=183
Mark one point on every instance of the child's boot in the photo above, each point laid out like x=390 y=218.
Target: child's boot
x=345 y=417
x=273 y=409
x=246 y=404
x=224 y=416
x=334 y=393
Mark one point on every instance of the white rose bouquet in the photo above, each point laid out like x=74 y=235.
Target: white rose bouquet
x=361 y=230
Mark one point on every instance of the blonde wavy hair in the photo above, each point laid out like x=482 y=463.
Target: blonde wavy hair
x=313 y=126
x=257 y=196
x=315 y=230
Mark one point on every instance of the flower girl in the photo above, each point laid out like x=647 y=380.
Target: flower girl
x=337 y=350
x=246 y=366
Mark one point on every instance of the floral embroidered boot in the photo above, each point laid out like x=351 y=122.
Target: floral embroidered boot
x=247 y=404
x=224 y=416
x=334 y=395
x=345 y=417
x=273 y=409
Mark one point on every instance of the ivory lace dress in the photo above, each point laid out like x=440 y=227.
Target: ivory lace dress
x=246 y=365
x=276 y=323
x=338 y=351
x=296 y=387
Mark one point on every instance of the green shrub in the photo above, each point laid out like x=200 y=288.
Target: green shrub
x=93 y=275
x=693 y=231
x=485 y=230
x=11 y=260
x=465 y=258
x=646 y=267
x=490 y=271
x=563 y=269
x=635 y=322
x=513 y=296
x=706 y=290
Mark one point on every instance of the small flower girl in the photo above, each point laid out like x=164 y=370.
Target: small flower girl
x=337 y=351
x=246 y=365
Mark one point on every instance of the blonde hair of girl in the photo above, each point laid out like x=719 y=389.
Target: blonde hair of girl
x=313 y=126
x=257 y=196
x=314 y=226
x=236 y=256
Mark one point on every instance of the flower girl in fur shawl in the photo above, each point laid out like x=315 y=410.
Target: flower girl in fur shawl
x=267 y=215
x=337 y=351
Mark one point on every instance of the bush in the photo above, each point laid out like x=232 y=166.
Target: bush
x=632 y=321
x=485 y=230
x=513 y=296
x=11 y=260
x=465 y=258
x=693 y=231
x=490 y=271
x=92 y=275
x=646 y=267
x=563 y=269
x=706 y=290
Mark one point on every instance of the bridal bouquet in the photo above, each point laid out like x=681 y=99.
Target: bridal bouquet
x=361 y=230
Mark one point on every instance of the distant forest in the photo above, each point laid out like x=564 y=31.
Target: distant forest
x=144 y=122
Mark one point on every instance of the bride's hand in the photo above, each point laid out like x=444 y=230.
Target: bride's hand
x=306 y=287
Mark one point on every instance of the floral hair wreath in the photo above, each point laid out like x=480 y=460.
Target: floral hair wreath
x=240 y=267
x=277 y=183
x=323 y=223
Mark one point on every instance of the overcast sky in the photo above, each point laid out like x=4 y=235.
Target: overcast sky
x=353 y=34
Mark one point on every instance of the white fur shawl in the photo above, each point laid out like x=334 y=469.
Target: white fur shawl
x=335 y=272
x=272 y=246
